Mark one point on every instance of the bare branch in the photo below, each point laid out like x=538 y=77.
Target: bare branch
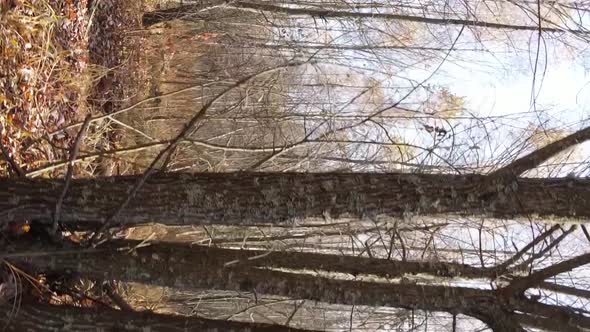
x=536 y=158
x=545 y=250
x=181 y=136
x=70 y=172
x=503 y=266
x=565 y=289
x=536 y=278
x=11 y=162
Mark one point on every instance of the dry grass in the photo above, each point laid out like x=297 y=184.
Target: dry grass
x=59 y=61
x=45 y=77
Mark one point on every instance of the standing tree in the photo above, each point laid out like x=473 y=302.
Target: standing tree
x=313 y=85
x=254 y=198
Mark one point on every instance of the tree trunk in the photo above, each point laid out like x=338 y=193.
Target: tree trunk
x=255 y=198
x=43 y=317
x=170 y=251
x=188 y=12
x=171 y=265
x=166 y=265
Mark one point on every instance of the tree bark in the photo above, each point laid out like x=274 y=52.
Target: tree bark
x=188 y=12
x=165 y=265
x=255 y=198
x=170 y=251
x=44 y=317
x=171 y=265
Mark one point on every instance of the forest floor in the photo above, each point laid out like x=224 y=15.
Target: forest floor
x=61 y=60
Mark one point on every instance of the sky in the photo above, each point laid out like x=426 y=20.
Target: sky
x=563 y=89
x=500 y=83
x=497 y=78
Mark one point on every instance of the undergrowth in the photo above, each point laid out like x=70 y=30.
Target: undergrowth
x=45 y=77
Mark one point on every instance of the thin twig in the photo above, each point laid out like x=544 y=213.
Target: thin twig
x=350 y=319
x=127 y=109
x=70 y=173
x=11 y=162
x=297 y=306
x=123 y=124
x=144 y=243
x=544 y=251
x=586 y=233
x=116 y=298
x=236 y=261
x=502 y=267
x=403 y=245
x=94 y=155
x=180 y=137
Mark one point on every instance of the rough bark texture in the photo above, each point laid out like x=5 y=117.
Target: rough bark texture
x=254 y=198
x=42 y=317
x=165 y=265
x=171 y=266
x=354 y=265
